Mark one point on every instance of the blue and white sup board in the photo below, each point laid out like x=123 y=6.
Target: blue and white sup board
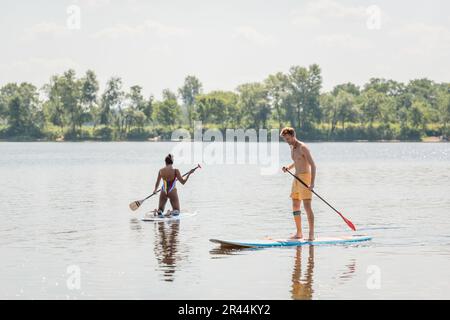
x=291 y=242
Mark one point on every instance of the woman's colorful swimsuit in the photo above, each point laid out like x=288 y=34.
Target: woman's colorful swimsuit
x=168 y=186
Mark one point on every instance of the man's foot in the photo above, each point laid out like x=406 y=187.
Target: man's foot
x=296 y=236
x=310 y=238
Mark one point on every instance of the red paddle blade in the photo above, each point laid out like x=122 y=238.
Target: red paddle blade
x=348 y=222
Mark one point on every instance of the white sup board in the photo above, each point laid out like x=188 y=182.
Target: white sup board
x=290 y=242
x=150 y=217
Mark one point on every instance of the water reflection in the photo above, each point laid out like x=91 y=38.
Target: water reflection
x=301 y=288
x=135 y=224
x=302 y=280
x=347 y=274
x=166 y=248
x=227 y=251
x=350 y=270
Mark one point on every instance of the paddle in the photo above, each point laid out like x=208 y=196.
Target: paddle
x=136 y=204
x=348 y=222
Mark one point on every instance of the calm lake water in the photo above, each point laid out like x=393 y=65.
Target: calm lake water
x=67 y=231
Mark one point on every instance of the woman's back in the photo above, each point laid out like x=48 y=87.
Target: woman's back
x=168 y=173
x=169 y=177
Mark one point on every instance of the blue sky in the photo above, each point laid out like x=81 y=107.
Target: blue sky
x=224 y=43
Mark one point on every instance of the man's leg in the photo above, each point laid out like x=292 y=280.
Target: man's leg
x=298 y=222
x=310 y=215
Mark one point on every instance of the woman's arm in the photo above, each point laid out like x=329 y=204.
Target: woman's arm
x=158 y=181
x=180 y=178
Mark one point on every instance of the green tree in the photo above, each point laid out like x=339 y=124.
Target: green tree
x=22 y=109
x=305 y=85
x=371 y=106
x=217 y=107
x=89 y=93
x=346 y=87
x=417 y=114
x=277 y=86
x=134 y=112
x=69 y=91
x=190 y=89
x=426 y=91
x=148 y=109
x=345 y=107
x=136 y=99
x=254 y=104
x=444 y=107
x=53 y=107
x=330 y=111
x=167 y=111
x=388 y=87
x=111 y=99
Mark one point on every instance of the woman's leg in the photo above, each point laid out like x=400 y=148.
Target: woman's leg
x=162 y=201
x=174 y=200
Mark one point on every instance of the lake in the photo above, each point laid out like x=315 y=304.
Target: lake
x=67 y=231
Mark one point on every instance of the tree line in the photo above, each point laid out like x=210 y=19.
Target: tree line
x=73 y=108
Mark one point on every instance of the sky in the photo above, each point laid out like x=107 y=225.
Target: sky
x=156 y=44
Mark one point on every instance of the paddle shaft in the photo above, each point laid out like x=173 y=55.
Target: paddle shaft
x=349 y=223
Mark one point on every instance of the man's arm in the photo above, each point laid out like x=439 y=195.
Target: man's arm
x=289 y=167
x=312 y=164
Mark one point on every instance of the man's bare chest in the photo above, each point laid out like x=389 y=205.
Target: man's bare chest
x=297 y=154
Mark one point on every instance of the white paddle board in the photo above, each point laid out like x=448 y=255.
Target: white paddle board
x=291 y=242
x=150 y=217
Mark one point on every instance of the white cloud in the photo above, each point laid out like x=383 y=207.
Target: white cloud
x=304 y=21
x=119 y=31
x=420 y=38
x=334 y=9
x=44 y=29
x=93 y=3
x=56 y=64
x=148 y=27
x=317 y=12
x=164 y=30
x=254 y=36
x=346 y=41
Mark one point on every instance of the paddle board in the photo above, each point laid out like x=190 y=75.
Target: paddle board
x=150 y=217
x=291 y=242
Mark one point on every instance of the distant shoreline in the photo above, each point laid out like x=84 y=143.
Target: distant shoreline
x=423 y=140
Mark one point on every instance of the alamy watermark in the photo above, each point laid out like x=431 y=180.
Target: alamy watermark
x=374 y=280
x=238 y=146
x=373 y=21
x=73 y=21
x=73 y=281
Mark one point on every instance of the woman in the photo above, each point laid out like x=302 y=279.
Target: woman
x=169 y=176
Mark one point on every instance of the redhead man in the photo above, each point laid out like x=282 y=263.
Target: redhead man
x=305 y=169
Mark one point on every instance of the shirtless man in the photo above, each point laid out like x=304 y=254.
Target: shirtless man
x=305 y=169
